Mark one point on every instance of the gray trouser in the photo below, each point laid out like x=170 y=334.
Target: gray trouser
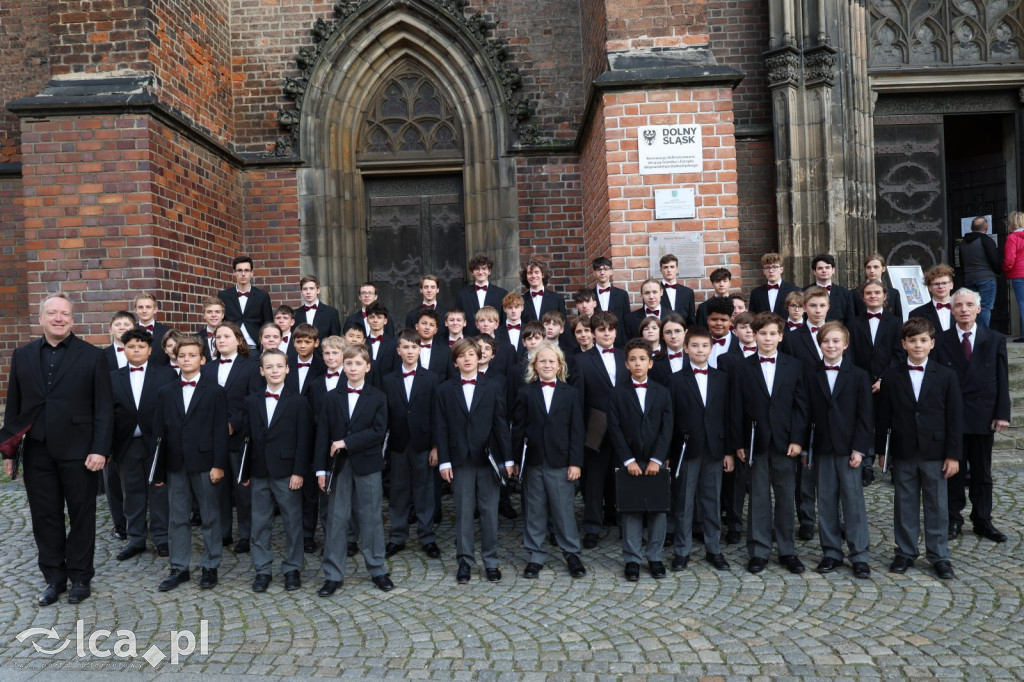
x=183 y=487
x=137 y=492
x=241 y=495
x=913 y=481
x=411 y=484
x=632 y=524
x=476 y=487
x=808 y=487
x=364 y=492
x=548 y=497
x=771 y=473
x=841 y=485
x=266 y=491
x=698 y=487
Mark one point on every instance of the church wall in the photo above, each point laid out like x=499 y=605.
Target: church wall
x=272 y=231
x=24 y=57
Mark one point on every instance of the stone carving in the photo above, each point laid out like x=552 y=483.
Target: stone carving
x=784 y=68
x=820 y=66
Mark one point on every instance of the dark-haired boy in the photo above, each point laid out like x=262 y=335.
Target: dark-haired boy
x=481 y=292
x=213 y=315
x=653 y=306
x=840 y=305
x=247 y=306
x=145 y=306
x=610 y=298
x=434 y=354
x=721 y=283
x=313 y=311
x=539 y=300
x=429 y=287
x=723 y=342
x=121 y=322
x=307 y=364
x=367 y=295
x=284 y=318
x=771 y=296
x=383 y=349
x=676 y=297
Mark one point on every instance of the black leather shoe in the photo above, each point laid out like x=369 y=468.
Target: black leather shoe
x=195 y=519
x=493 y=575
x=732 y=537
x=828 y=564
x=163 y=550
x=352 y=550
x=119 y=533
x=955 y=528
x=130 y=551
x=576 y=568
x=861 y=570
x=657 y=569
x=867 y=476
x=328 y=588
x=309 y=546
x=80 y=591
x=173 y=580
x=393 y=548
x=209 y=578
x=718 y=561
x=680 y=562
x=989 y=532
x=806 y=532
x=590 y=540
x=228 y=541
x=506 y=509
x=900 y=564
x=632 y=571
x=531 y=571
x=383 y=582
x=432 y=550
x=943 y=569
x=51 y=594
x=292 y=581
x=242 y=546
x=792 y=563
x=756 y=565
x=261 y=583
x=464 y=574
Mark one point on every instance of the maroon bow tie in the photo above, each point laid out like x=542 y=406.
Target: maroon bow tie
x=425 y=345
x=480 y=288
x=874 y=316
x=424 y=306
x=376 y=339
x=305 y=364
x=451 y=342
x=535 y=294
x=284 y=339
x=550 y=384
x=947 y=306
x=918 y=368
x=651 y=311
x=137 y=369
x=794 y=325
x=481 y=372
x=764 y=359
x=358 y=391
x=814 y=330
x=514 y=326
x=772 y=286
x=147 y=327
x=469 y=381
x=309 y=307
x=331 y=375
x=603 y=291
x=408 y=374
x=607 y=350
x=720 y=342
x=673 y=356
x=749 y=349
x=209 y=334
x=666 y=285
x=363 y=313
x=188 y=383
x=643 y=385
x=699 y=371
x=119 y=349
x=174 y=366
x=225 y=362
x=831 y=368
x=275 y=396
x=828 y=288
x=243 y=293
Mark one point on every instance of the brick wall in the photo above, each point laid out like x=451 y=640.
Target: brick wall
x=24 y=48
x=92 y=36
x=739 y=38
x=272 y=231
x=636 y=24
x=594 y=160
x=594 y=30
x=13 y=310
x=759 y=232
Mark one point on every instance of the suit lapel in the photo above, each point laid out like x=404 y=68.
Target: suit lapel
x=124 y=379
x=196 y=397
x=282 y=405
x=841 y=376
x=74 y=351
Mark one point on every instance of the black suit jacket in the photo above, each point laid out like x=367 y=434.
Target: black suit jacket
x=984 y=381
x=840 y=303
x=76 y=417
x=759 y=302
x=662 y=370
x=549 y=301
x=440 y=359
x=363 y=432
x=685 y=304
x=597 y=385
x=798 y=343
x=317 y=394
x=635 y=317
x=928 y=312
x=638 y=433
x=502 y=335
x=126 y=415
x=236 y=387
x=158 y=356
x=411 y=419
x=281 y=447
x=357 y=318
x=930 y=428
x=466 y=434
x=466 y=301
x=618 y=303
x=702 y=424
x=886 y=351
x=200 y=333
x=258 y=310
x=554 y=438
x=197 y=440
x=111 y=357
x=327 y=320
x=385 y=363
x=781 y=417
x=317 y=368
x=412 y=315
x=892 y=302
x=842 y=418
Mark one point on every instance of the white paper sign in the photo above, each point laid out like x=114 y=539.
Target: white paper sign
x=965 y=224
x=670 y=149
x=670 y=204
x=909 y=281
x=687 y=247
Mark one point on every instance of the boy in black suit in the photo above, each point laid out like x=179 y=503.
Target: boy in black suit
x=512 y=329
x=411 y=392
x=191 y=419
x=609 y=298
x=314 y=311
x=383 y=349
x=653 y=306
x=723 y=342
x=472 y=440
x=721 y=283
x=920 y=407
x=939 y=310
x=145 y=306
x=539 y=300
x=472 y=297
x=350 y=435
x=676 y=297
x=504 y=358
x=839 y=395
x=673 y=357
x=434 y=354
x=429 y=286
x=213 y=315
x=795 y=310
x=840 y=301
x=455 y=328
x=314 y=502
x=580 y=328
x=367 y=296
x=307 y=363
x=874 y=268
x=121 y=322
x=247 y=306
x=640 y=429
x=284 y=318
x=771 y=297
x=279 y=428
x=700 y=399
x=802 y=342
x=769 y=397
x=135 y=388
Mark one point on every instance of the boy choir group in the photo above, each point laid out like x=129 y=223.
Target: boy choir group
x=293 y=411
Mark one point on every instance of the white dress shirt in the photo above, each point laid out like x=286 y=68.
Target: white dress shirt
x=768 y=370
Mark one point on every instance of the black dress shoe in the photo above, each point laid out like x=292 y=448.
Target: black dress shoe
x=806 y=532
x=531 y=571
x=657 y=569
x=493 y=575
x=292 y=581
x=242 y=546
x=861 y=570
x=590 y=540
x=174 y=579
x=756 y=565
x=732 y=537
x=792 y=563
x=464 y=573
x=383 y=582
x=432 y=550
x=867 y=476
x=328 y=588
x=209 y=578
x=352 y=550
x=119 y=533
x=828 y=564
x=943 y=569
x=718 y=561
x=131 y=551
x=51 y=594
x=309 y=546
x=163 y=550
x=680 y=562
x=393 y=548
x=955 y=528
x=80 y=591
x=989 y=532
x=195 y=519
x=227 y=542
x=261 y=583
x=506 y=509
x=632 y=571
x=900 y=564
x=576 y=568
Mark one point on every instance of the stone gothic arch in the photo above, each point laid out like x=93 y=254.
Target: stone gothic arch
x=361 y=53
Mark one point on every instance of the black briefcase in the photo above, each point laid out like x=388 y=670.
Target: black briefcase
x=647 y=494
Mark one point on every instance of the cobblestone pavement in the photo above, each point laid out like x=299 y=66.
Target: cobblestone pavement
x=697 y=623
